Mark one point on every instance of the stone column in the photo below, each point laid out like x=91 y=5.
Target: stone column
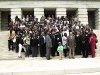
x=38 y=13
x=61 y=12
x=82 y=15
x=97 y=19
x=16 y=12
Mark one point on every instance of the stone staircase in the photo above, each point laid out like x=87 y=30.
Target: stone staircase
x=12 y=55
x=4 y=53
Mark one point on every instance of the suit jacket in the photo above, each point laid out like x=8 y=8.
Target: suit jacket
x=71 y=42
x=10 y=37
x=48 y=41
x=53 y=39
x=41 y=40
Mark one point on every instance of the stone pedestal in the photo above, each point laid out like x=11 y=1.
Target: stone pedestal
x=82 y=15
x=38 y=13
x=97 y=19
x=16 y=12
x=60 y=12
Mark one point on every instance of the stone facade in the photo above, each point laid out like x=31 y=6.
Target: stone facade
x=80 y=7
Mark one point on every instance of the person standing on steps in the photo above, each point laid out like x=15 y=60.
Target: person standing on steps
x=48 y=45
x=71 y=45
x=21 y=45
x=60 y=50
x=11 y=36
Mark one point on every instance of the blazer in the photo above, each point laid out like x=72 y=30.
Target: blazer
x=52 y=39
x=10 y=37
x=41 y=40
x=48 y=41
x=71 y=42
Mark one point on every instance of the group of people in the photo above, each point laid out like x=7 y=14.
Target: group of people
x=51 y=36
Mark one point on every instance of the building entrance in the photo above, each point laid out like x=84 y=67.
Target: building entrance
x=27 y=11
x=71 y=13
x=49 y=12
x=91 y=19
x=5 y=19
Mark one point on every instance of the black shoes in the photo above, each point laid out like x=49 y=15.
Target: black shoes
x=19 y=56
x=72 y=57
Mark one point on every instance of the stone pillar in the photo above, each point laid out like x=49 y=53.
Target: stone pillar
x=82 y=15
x=16 y=12
x=0 y=20
x=60 y=12
x=38 y=13
x=97 y=19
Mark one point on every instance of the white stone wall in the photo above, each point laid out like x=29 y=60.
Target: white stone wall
x=82 y=15
x=60 y=12
x=16 y=12
x=97 y=19
x=38 y=12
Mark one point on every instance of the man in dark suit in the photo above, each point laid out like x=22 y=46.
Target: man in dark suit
x=71 y=45
x=78 y=43
x=85 y=44
x=53 y=49
x=42 y=43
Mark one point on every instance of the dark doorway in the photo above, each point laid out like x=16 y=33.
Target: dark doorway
x=49 y=12
x=25 y=13
x=5 y=19
x=71 y=13
x=91 y=19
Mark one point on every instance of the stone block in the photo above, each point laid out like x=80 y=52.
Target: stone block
x=53 y=72
x=82 y=13
x=58 y=15
x=83 y=16
x=16 y=12
x=6 y=73
x=38 y=13
x=61 y=9
x=16 y=9
x=61 y=13
x=39 y=9
x=83 y=19
x=83 y=9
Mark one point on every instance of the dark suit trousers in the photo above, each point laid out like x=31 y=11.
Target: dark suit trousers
x=42 y=50
x=10 y=43
x=53 y=49
x=17 y=47
x=48 y=51
x=34 y=51
x=85 y=50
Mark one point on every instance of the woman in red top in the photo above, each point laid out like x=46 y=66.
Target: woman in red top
x=92 y=42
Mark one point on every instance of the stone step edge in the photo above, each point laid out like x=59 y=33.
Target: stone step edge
x=54 y=72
